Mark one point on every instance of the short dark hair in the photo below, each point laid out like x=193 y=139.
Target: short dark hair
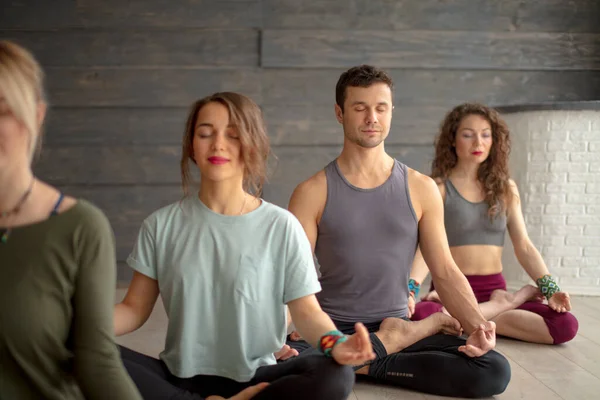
x=360 y=76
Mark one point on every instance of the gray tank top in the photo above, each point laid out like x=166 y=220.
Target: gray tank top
x=365 y=247
x=468 y=223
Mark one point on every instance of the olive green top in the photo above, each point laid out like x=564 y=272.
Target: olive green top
x=57 y=293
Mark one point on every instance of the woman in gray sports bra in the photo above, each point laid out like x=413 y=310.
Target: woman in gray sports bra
x=481 y=203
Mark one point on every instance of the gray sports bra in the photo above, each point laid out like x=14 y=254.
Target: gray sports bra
x=468 y=223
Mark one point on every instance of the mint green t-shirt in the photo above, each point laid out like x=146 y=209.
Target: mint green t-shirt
x=224 y=281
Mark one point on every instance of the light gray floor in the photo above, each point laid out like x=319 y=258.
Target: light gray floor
x=539 y=372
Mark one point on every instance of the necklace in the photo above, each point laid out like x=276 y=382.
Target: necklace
x=5 y=232
x=243 y=204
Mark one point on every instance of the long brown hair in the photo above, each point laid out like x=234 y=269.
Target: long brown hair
x=247 y=118
x=493 y=172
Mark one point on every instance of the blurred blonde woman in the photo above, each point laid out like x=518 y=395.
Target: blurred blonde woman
x=57 y=264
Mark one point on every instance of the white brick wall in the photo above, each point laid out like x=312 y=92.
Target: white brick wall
x=592 y=188
x=557 y=169
x=543 y=155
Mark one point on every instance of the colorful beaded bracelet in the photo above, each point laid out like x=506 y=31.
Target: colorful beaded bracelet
x=548 y=286
x=414 y=287
x=330 y=340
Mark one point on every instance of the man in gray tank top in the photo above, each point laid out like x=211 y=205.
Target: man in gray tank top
x=365 y=214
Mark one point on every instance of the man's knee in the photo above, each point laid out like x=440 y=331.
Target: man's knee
x=563 y=328
x=492 y=378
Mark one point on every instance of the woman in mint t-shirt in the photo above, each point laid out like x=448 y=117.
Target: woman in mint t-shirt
x=226 y=263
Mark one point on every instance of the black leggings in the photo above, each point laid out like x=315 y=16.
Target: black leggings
x=311 y=377
x=432 y=365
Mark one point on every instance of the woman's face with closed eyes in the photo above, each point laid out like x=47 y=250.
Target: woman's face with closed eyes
x=216 y=143
x=473 y=140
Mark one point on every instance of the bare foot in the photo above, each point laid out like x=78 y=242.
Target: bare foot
x=432 y=296
x=363 y=371
x=395 y=334
x=529 y=293
x=285 y=353
x=514 y=300
x=447 y=324
x=444 y=311
x=501 y=296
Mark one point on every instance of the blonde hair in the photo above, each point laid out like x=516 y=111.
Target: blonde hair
x=247 y=117
x=21 y=84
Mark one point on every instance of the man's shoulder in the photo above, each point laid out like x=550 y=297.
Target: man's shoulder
x=421 y=181
x=310 y=196
x=313 y=185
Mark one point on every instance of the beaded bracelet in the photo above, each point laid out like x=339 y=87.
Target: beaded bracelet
x=548 y=286
x=414 y=287
x=330 y=340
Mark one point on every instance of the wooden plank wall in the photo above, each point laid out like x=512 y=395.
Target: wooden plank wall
x=121 y=75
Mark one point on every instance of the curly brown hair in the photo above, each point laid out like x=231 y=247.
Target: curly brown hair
x=493 y=172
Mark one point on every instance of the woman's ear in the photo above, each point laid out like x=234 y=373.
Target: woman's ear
x=41 y=113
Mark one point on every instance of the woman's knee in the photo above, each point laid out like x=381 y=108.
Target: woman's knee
x=424 y=309
x=333 y=381
x=562 y=327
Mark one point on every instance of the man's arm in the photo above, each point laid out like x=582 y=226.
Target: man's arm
x=419 y=270
x=452 y=286
x=307 y=203
x=418 y=274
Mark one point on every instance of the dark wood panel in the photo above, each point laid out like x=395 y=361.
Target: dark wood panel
x=94 y=126
x=124 y=274
x=56 y=14
x=430 y=49
x=102 y=165
x=37 y=14
x=317 y=125
x=297 y=164
x=465 y=15
x=165 y=13
x=126 y=207
x=439 y=87
x=187 y=47
x=169 y=87
x=173 y=87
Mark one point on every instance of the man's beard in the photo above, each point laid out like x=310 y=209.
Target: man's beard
x=366 y=142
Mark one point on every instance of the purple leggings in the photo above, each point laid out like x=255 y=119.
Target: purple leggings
x=562 y=326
